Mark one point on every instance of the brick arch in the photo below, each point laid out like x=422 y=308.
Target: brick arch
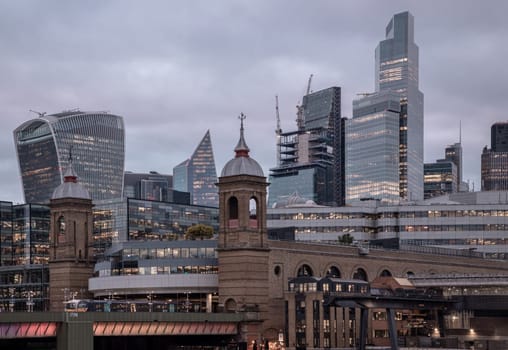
x=364 y=268
x=330 y=266
x=301 y=264
x=385 y=268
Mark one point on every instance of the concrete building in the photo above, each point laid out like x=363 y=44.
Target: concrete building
x=471 y=222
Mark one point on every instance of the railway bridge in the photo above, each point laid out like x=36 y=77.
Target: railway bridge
x=121 y=330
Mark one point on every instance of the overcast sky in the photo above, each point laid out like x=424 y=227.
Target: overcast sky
x=174 y=69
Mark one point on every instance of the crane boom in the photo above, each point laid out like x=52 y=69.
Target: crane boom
x=278 y=130
x=308 y=84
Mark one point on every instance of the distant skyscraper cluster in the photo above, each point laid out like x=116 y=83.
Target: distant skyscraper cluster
x=378 y=154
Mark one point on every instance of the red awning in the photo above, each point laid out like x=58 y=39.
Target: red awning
x=28 y=330
x=163 y=328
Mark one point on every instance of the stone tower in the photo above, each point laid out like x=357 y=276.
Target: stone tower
x=242 y=248
x=71 y=259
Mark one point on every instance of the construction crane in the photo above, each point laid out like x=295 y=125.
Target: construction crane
x=41 y=114
x=308 y=84
x=365 y=94
x=300 y=108
x=278 y=129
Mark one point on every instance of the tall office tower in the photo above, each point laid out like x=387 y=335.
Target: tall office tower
x=499 y=137
x=311 y=159
x=198 y=176
x=397 y=70
x=495 y=160
x=453 y=153
x=372 y=149
x=440 y=178
x=94 y=140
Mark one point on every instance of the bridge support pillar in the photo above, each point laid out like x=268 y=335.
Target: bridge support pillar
x=76 y=335
x=392 y=329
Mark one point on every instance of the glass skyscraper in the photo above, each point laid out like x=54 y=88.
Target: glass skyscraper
x=197 y=175
x=372 y=149
x=95 y=140
x=397 y=72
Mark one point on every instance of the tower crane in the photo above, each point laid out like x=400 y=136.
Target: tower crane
x=308 y=84
x=300 y=108
x=41 y=114
x=278 y=129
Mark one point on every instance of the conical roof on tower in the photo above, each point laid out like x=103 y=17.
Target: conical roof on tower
x=70 y=188
x=242 y=164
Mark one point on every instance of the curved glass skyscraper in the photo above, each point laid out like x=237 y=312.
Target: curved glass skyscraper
x=95 y=140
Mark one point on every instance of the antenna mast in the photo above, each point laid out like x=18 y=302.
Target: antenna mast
x=278 y=129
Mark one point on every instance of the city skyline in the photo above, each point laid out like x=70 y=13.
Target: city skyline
x=190 y=68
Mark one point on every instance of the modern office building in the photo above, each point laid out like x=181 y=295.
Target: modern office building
x=94 y=140
x=24 y=254
x=372 y=149
x=397 y=71
x=453 y=153
x=470 y=223
x=440 y=178
x=445 y=175
x=499 y=137
x=153 y=186
x=311 y=159
x=494 y=166
x=197 y=175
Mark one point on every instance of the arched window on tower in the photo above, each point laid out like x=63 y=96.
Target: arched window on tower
x=253 y=212
x=60 y=224
x=232 y=211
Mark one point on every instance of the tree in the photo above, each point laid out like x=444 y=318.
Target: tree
x=199 y=231
x=346 y=239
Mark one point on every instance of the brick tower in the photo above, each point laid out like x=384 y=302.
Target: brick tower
x=71 y=259
x=242 y=248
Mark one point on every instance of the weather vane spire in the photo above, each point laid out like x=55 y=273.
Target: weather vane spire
x=242 y=150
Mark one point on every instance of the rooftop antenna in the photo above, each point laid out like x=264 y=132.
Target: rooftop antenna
x=460 y=131
x=278 y=129
x=41 y=114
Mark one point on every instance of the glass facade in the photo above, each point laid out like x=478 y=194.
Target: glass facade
x=5 y=233
x=198 y=175
x=159 y=258
x=319 y=145
x=24 y=253
x=494 y=170
x=440 y=178
x=494 y=166
x=150 y=220
x=372 y=149
x=397 y=71
x=308 y=183
x=30 y=234
x=95 y=140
